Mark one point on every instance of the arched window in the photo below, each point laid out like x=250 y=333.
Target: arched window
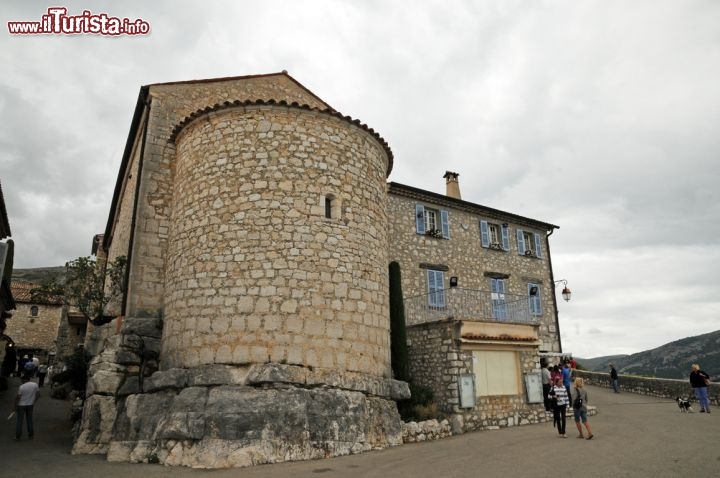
x=34 y=311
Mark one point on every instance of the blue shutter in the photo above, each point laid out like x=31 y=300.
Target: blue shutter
x=436 y=294
x=505 y=237
x=484 y=234
x=538 y=246
x=521 y=242
x=445 y=220
x=431 y=287
x=497 y=286
x=420 y=218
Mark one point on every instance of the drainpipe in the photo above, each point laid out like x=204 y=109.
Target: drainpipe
x=552 y=280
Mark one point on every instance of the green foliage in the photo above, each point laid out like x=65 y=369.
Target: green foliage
x=88 y=286
x=74 y=377
x=398 y=335
x=420 y=406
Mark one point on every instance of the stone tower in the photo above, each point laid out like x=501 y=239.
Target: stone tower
x=256 y=321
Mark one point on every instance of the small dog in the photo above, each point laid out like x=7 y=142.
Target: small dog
x=684 y=405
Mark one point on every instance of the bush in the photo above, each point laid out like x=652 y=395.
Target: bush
x=75 y=374
x=420 y=406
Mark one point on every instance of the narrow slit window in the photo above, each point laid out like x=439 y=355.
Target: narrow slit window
x=328 y=207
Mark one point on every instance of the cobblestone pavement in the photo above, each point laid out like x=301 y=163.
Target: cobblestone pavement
x=635 y=436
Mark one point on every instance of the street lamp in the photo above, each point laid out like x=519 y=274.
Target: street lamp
x=566 y=293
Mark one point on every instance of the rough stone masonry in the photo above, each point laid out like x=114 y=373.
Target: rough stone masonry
x=255 y=328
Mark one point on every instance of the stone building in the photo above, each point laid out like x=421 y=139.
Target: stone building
x=255 y=326
x=7 y=303
x=34 y=326
x=258 y=225
x=479 y=303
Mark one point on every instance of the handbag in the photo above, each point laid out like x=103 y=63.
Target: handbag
x=578 y=402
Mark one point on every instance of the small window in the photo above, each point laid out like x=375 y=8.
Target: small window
x=529 y=243
x=328 y=207
x=534 y=299
x=494 y=236
x=432 y=222
x=34 y=311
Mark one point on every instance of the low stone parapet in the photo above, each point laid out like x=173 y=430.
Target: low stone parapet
x=651 y=386
x=426 y=430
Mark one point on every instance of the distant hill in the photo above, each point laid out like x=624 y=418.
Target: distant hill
x=671 y=360
x=39 y=274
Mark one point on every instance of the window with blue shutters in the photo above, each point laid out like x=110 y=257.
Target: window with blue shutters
x=497 y=297
x=495 y=236
x=529 y=243
x=432 y=222
x=534 y=299
x=436 y=288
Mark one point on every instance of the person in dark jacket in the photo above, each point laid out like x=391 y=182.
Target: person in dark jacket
x=699 y=380
x=614 y=379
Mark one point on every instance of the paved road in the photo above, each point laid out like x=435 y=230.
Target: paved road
x=635 y=436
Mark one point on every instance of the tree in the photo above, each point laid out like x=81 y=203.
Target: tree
x=398 y=335
x=88 y=286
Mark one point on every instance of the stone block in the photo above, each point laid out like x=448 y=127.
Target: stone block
x=174 y=378
x=143 y=326
x=217 y=375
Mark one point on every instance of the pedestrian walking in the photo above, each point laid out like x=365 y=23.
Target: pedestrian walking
x=558 y=395
x=579 y=404
x=614 y=379
x=42 y=372
x=28 y=394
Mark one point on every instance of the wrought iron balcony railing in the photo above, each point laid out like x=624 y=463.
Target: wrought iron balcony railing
x=469 y=305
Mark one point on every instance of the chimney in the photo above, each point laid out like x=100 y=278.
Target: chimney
x=452 y=185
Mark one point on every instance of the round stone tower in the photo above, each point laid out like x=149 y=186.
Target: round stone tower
x=277 y=247
x=256 y=322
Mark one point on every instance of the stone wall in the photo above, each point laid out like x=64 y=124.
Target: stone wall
x=256 y=329
x=219 y=416
x=655 y=387
x=437 y=361
x=464 y=257
x=255 y=271
x=35 y=332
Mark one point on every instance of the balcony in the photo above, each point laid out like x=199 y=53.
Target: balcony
x=469 y=305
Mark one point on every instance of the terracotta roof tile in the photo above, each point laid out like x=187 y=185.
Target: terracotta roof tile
x=503 y=337
x=22 y=292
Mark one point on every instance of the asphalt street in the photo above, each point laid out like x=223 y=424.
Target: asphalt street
x=635 y=436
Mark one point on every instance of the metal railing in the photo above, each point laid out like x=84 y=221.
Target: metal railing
x=469 y=305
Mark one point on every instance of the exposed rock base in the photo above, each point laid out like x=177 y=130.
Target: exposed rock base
x=221 y=416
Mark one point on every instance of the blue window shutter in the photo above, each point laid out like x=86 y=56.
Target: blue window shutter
x=436 y=295
x=445 y=219
x=493 y=285
x=484 y=234
x=440 y=283
x=501 y=286
x=538 y=245
x=521 y=242
x=506 y=237
x=420 y=218
x=431 y=287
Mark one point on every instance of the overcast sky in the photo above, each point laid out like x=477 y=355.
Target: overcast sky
x=602 y=117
